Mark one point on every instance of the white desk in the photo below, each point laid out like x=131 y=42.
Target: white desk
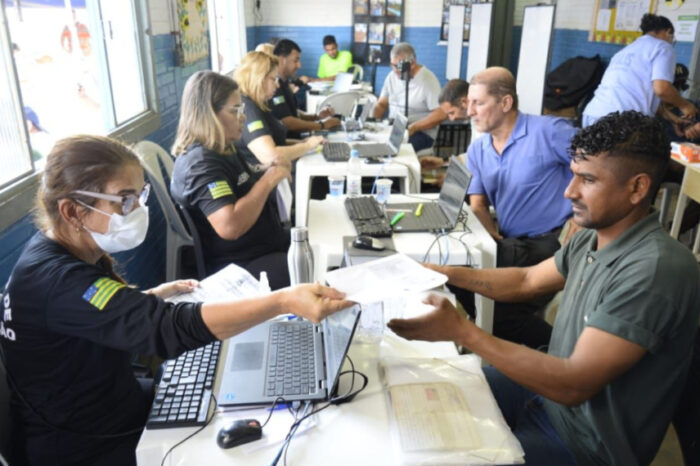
x=350 y=434
x=314 y=100
x=329 y=222
x=404 y=166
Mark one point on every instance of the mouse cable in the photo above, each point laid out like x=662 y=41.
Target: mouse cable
x=427 y=252
x=349 y=395
x=162 y=463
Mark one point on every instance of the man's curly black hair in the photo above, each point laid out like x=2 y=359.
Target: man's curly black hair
x=636 y=139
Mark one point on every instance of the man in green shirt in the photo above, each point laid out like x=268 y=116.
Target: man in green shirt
x=333 y=61
x=622 y=341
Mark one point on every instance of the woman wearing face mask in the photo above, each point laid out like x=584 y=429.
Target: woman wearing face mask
x=70 y=323
x=640 y=76
x=264 y=137
x=232 y=203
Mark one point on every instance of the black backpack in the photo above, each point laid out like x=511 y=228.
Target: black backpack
x=571 y=81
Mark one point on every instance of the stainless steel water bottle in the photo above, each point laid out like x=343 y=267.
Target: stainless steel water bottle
x=300 y=258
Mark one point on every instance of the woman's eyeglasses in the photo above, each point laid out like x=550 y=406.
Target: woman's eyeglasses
x=128 y=202
x=238 y=109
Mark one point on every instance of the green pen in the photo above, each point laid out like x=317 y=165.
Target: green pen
x=396 y=218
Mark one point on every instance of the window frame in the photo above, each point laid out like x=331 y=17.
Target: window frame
x=241 y=39
x=17 y=197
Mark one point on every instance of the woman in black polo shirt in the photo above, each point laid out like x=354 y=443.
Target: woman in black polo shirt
x=232 y=202
x=264 y=137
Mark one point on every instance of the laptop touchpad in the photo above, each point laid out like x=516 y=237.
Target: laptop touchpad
x=247 y=356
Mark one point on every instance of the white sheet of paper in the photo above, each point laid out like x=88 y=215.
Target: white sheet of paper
x=603 y=23
x=230 y=283
x=384 y=278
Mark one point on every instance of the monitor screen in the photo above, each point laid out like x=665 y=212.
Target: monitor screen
x=397 y=131
x=342 y=82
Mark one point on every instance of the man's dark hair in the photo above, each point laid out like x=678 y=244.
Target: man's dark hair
x=285 y=47
x=453 y=91
x=329 y=40
x=654 y=23
x=638 y=140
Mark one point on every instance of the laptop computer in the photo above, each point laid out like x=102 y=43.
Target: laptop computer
x=342 y=82
x=258 y=361
x=440 y=215
x=388 y=148
x=340 y=151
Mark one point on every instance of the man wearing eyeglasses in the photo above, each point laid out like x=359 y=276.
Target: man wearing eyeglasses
x=424 y=112
x=284 y=104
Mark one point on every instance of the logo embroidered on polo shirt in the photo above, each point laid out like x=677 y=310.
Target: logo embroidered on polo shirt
x=277 y=100
x=255 y=125
x=242 y=178
x=219 y=189
x=102 y=291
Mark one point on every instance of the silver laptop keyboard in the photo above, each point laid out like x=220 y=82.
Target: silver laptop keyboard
x=336 y=152
x=290 y=362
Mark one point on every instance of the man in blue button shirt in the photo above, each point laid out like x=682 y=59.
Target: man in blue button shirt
x=521 y=167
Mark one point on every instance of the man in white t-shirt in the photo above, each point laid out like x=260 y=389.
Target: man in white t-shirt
x=424 y=112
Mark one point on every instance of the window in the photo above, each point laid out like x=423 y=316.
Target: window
x=228 y=43
x=80 y=66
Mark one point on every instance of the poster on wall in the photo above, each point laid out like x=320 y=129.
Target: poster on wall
x=360 y=34
x=376 y=7
x=377 y=27
x=360 y=7
x=376 y=33
x=617 y=21
x=392 y=34
x=194 y=30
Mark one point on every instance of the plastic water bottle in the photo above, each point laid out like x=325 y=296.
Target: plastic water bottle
x=300 y=258
x=354 y=177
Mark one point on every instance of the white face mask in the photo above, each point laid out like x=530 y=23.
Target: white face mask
x=124 y=232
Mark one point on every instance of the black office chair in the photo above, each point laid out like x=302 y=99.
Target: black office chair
x=199 y=265
x=453 y=138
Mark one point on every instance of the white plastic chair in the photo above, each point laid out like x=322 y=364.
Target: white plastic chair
x=342 y=102
x=690 y=189
x=357 y=71
x=178 y=236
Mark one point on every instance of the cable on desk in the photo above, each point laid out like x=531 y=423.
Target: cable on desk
x=349 y=395
x=193 y=433
x=427 y=253
x=447 y=247
x=379 y=173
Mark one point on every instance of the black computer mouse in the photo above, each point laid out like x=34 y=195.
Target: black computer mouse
x=367 y=242
x=239 y=432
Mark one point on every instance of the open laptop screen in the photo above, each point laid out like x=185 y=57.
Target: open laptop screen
x=397 y=131
x=342 y=82
x=338 y=329
x=454 y=188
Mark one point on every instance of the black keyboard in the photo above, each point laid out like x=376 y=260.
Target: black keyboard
x=367 y=216
x=290 y=363
x=184 y=391
x=336 y=152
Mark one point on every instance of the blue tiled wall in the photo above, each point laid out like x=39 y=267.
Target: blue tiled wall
x=144 y=266
x=423 y=39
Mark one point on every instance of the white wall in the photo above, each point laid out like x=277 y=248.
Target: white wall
x=160 y=16
x=417 y=13
x=578 y=14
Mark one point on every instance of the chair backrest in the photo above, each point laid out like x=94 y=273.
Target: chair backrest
x=342 y=102
x=690 y=188
x=153 y=157
x=357 y=71
x=198 y=254
x=452 y=138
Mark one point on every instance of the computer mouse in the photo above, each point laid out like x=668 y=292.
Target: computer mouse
x=239 y=432
x=367 y=242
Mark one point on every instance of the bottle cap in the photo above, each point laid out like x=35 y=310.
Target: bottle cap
x=300 y=234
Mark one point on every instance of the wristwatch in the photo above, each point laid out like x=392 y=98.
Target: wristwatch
x=323 y=125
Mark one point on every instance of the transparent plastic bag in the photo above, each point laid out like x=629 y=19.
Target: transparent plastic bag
x=441 y=411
